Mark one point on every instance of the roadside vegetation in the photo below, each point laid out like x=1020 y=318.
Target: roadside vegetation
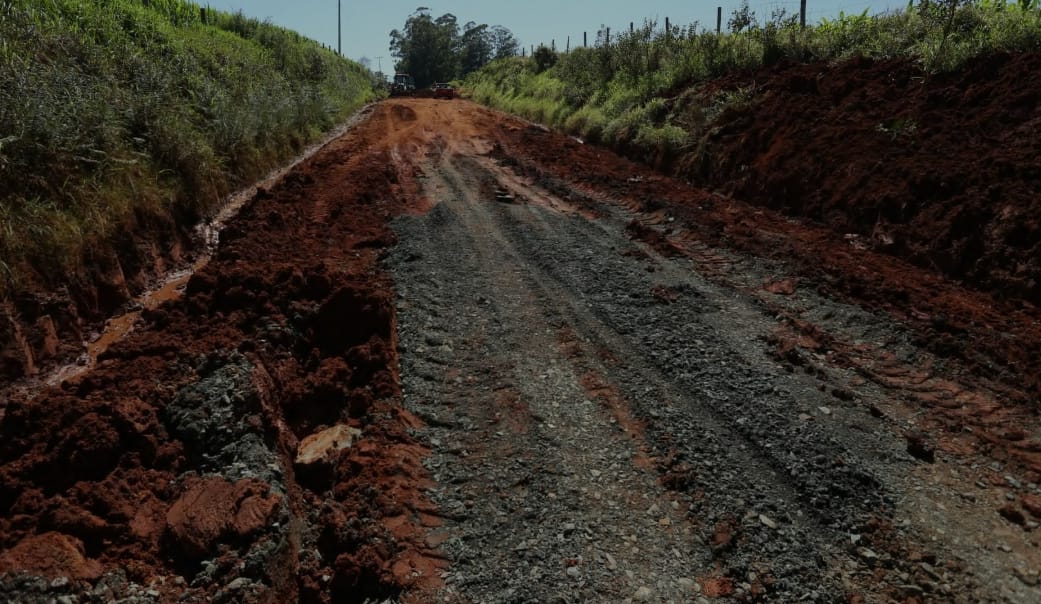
x=120 y=113
x=638 y=91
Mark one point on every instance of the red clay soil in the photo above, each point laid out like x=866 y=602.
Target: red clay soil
x=43 y=323
x=291 y=328
x=992 y=341
x=941 y=170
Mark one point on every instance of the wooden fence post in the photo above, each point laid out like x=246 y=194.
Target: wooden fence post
x=585 y=40
x=802 y=14
x=719 y=19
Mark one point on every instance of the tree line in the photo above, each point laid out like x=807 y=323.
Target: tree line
x=438 y=49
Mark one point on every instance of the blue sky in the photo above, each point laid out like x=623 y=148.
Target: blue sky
x=367 y=25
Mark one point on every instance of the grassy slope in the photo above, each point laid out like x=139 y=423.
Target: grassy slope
x=114 y=115
x=640 y=92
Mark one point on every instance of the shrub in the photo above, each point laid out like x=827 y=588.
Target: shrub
x=115 y=109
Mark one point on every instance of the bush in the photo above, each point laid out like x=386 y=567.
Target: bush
x=115 y=109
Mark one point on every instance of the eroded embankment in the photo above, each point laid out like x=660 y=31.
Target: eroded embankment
x=938 y=169
x=245 y=442
x=42 y=325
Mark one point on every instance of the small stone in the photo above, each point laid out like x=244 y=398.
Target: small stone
x=767 y=521
x=573 y=572
x=1029 y=577
x=867 y=553
x=1012 y=482
x=643 y=594
x=804 y=417
x=611 y=563
x=238 y=584
x=1012 y=513
x=929 y=570
x=919 y=447
x=824 y=410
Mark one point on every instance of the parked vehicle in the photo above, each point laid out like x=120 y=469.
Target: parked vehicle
x=443 y=90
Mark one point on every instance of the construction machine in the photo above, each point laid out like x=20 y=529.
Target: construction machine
x=403 y=85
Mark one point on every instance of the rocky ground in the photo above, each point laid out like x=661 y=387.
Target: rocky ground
x=456 y=357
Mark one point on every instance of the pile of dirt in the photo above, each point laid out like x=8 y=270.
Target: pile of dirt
x=195 y=461
x=940 y=170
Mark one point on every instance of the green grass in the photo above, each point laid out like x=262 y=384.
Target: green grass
x=638 y=91
x=114 y=114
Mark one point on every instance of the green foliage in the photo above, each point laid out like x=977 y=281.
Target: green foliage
x=638 y=90
x=544 y=58
x=112 y=110
x=433 y=50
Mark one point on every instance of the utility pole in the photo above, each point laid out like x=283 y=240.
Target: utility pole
x=379 y=61
x=719 y=19
x=802 y=14
x=339 y=27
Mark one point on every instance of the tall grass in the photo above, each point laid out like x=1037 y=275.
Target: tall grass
x=121 y=111
x=634 y=91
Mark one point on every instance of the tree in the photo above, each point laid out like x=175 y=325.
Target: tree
x=475 y=47
x=504 y=44
x=544 y=58
x=425 y=47
x=433 y=50
x=742 y=18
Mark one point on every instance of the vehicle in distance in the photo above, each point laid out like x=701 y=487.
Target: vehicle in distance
x=443 y=90
x=403 y=85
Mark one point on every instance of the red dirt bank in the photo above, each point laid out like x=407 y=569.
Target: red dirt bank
x=179 y=447
x=940 y=170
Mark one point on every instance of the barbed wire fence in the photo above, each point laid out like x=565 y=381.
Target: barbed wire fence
x=765 y=11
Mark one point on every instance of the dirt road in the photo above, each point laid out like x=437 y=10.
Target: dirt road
x=456 y=357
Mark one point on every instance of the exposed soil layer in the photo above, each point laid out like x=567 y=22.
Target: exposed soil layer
x=45 y=324
x=941 y=170
x=175 y=468
x=454 y=356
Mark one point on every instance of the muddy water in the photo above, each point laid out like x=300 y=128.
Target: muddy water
x=171 y=286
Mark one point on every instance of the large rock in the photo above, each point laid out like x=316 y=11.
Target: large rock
x=323 y=446
x=317 y=454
